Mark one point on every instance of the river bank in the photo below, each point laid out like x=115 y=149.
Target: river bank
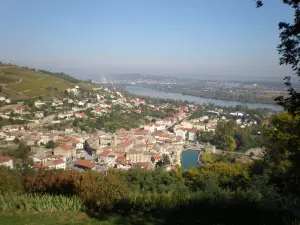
x=143 y=91
x=230 y=99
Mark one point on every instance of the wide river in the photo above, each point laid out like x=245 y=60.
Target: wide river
x=139 y=90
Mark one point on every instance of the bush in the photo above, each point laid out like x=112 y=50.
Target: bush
x=97 y=189
x=11 y=180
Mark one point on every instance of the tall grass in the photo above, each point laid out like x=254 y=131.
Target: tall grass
x=39 y=203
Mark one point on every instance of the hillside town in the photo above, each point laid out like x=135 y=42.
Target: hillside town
x=56 y=141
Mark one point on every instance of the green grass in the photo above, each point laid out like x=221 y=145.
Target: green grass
x=57 y=218
x=47 y=218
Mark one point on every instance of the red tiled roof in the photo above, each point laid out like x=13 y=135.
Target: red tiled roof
x=82 y=114
x=141 y=132
x=120 y=158
x=40 y=166
x=105 y=153
x=4 y=159
x=21 y=107
x=58 y=161
x=64 y=146
x=125 y=144
x=85 y=163
x=157 y=157
x=192 y=130
x=123 y=162
x=67 y=139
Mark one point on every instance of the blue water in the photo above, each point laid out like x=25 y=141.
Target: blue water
x=139 y=90
x=189 y=159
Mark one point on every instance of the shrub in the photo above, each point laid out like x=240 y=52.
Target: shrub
x=11 y=180
x=97 y=189
x=36 y=202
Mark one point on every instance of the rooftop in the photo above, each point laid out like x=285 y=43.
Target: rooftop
x=85 y=163
x=4 y=159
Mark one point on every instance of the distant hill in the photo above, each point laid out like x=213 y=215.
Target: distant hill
x=19 y=83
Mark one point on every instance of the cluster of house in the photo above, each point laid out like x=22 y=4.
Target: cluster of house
x=4 y=99
x=125 y=149
x=189 y=128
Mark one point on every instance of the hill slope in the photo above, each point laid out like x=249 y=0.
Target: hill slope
x=23 y=83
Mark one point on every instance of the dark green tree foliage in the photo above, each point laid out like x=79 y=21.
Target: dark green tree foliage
x=11 y=181
x=21 y=152
x=50 y=144
x=282 y=147
x=224 y=135
x=157 y=181
x=205 y=136
x=165 y=161
x=289 y=49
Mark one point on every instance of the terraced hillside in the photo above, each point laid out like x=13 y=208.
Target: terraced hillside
x=22 y=83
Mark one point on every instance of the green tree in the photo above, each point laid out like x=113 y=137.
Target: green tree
x=50 y=144
x=224 y=135
x=166 y=160
x=282 y=147
x=288 y=50
x=205 y=136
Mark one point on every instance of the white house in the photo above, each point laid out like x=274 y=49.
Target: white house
x=72 y=90
x=192 y=134
x=237 y=114
x=97 y=111
x=10 y=138
x=202 y=118
x=181 y=132
x=69 y=130
x=238 y=121
x=38 y=104
x=67 y=115
x=80 y=103
x=107 y=157
x=57 y=103
x=150 y=127
x=79 y=145
x=52 y=164
x=6 y=161
x=55 y=121
x=39 y=114
x=56 y=164
x=160 y=126
x=19 y=109
x=187 y=124
x=80 y=115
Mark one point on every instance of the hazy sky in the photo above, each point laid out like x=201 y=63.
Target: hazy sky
x=94 y=37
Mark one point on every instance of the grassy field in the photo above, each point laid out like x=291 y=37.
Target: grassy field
x=57 y=218
x=21 y=83
x=48 y=218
